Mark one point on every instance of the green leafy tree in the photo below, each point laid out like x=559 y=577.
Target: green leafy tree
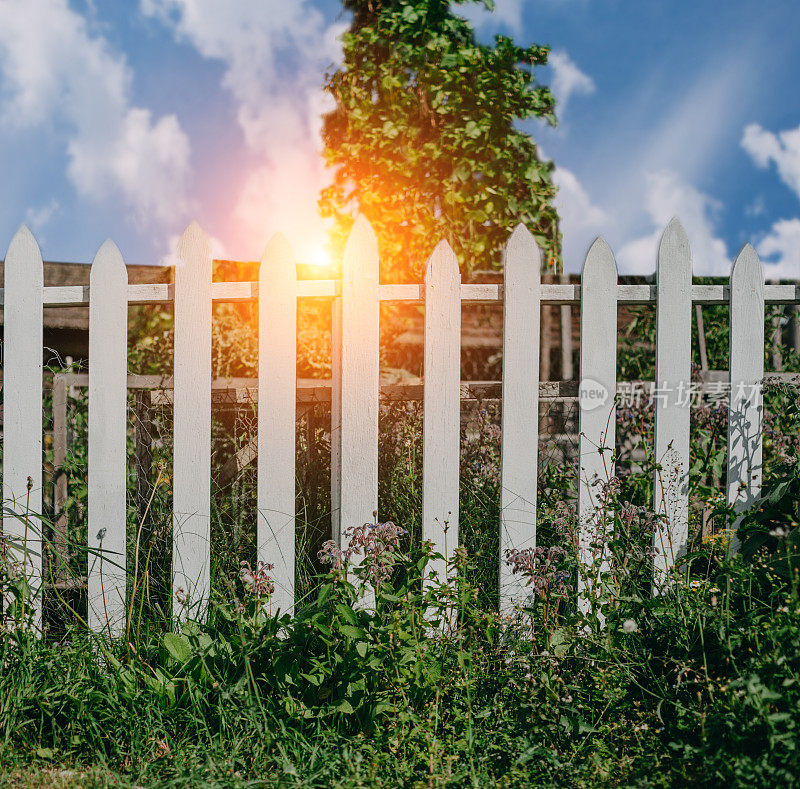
x=424 y=138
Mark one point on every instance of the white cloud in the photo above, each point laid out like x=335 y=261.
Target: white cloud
x=580 y=218
x=780 y=250
x=568 y=79
x=783 y=149
x=668 y=195
x=54 y=70
x=274 y=54
x=38 y=217
x=507 y=13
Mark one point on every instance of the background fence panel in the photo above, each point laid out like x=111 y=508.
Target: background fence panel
x=108 y=393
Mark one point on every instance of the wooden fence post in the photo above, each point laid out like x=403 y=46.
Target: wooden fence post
x=108 y=371
x=22 y=407
x=598 y=413
x=672 y=396
x=441 y=432
x=520 y=431
x=277 y=393
x=191 y=473
x=745 y=400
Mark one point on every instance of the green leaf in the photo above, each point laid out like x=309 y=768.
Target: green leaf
x=178 y=647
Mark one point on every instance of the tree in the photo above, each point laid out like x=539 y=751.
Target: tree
x=423 y=140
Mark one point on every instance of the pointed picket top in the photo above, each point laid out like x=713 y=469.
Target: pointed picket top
x=361 y=250
x=674 y=245
x=108 y=263
x=22 y=242
x=522 y=247
x=442 y=264
x=599 y=263
x=277 y=262
x=747 y=268
x=194 y=245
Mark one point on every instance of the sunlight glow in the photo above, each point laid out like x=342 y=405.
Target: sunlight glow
x=317 y=257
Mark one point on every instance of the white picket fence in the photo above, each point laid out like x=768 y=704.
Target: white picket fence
x=356 y=299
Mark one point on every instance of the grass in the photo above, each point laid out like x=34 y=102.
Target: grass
x=696 y=686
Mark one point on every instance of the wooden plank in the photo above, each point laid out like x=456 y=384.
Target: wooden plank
x=106 y=467
x=520 y=434
x=59 y=560
x=701 y=338
x=441 y=430
x=22 y=407
x=163 y=293
x=357 y=401
x=277 y=379
x=335 y=397
x=673 y=376
x=192 y=426
x=143 y=455
x=746 y=408
x=566 y=337
x=597 y=409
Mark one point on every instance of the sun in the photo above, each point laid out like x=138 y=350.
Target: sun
x=318 y=256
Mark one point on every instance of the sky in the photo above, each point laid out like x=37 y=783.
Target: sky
x=127 y=119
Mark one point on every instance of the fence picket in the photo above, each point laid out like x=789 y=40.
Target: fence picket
x=22 y=404
x=745 y=404
x=277 y=380
x=597 y=404
x=192 y=424
x=672 y=395
x=358 y=386
x=520 y=431
x=108 y=370
x=441 y=429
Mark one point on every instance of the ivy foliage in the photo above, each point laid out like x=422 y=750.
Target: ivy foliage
x=424 y=138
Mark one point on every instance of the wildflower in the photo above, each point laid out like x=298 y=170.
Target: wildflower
x=629 y=626
x=694 y=584
x=377 y=542
x=257 y=581
x=778 y=532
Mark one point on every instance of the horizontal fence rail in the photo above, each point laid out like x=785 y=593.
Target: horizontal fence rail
x=161 y=293
x=354 y=393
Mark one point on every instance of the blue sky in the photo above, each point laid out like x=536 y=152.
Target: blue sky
x=128 y=118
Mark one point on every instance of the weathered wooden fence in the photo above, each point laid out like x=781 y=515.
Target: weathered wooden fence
x=355 y=301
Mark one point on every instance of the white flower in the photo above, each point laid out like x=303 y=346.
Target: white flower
x=694 y=584
x=629 y=626
x=778 y=531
